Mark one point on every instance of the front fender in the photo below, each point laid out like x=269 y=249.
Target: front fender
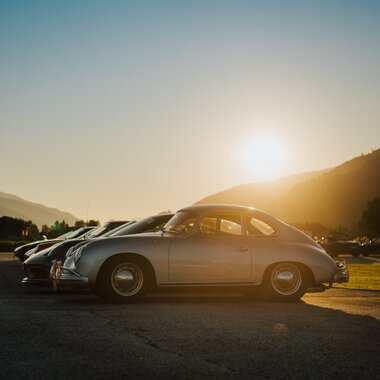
x=154 y=248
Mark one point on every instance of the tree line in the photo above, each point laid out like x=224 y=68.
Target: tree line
x=368 y=227
x=19 y=229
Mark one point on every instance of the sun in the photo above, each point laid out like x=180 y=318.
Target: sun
x=265 y=158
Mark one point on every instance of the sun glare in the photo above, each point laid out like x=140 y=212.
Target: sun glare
x=265 y=158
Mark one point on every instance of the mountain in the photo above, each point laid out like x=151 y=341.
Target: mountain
x=15 y=207
x=334 y=197
x=260 y=194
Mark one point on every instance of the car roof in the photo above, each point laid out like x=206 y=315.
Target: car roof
x=216 y=208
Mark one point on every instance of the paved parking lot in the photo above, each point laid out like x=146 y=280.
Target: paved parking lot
x=333 y=335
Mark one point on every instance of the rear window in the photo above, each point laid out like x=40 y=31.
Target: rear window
x=257 y=227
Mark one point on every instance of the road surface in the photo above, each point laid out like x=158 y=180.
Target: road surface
x=331 y=335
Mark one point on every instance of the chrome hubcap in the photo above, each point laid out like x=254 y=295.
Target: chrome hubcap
x=286 y=279
x=127 y=279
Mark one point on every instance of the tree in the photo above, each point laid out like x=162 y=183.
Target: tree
x=45 y=230
x=79 y=224
x=57 y=229
x=94 y=223
x=369 y=223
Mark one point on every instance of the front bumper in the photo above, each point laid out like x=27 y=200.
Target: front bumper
x=341 y=274
x=35 y=274
x=65 y=277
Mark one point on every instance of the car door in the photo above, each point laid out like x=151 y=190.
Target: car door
x=218 y=251
x=265 y=248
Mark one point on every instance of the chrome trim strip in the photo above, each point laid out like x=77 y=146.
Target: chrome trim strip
x=207 y=284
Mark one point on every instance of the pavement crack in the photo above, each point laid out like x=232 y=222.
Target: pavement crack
x=139 y=334
x=108 y=321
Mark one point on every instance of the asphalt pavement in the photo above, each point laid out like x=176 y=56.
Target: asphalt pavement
x=331 y=335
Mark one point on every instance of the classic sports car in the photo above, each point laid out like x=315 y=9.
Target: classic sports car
x=20 y=251
x=36 y=269
x=207 y=246
x=91 y=233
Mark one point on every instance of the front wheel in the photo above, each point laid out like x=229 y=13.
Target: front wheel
x=123 y=279
x=285 y=282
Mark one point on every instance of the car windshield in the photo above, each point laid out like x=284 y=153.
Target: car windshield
x=77 y=233
x=148 y=224
x=66 y=235
x=96 y=232
x=181 y=223
x=119 y=229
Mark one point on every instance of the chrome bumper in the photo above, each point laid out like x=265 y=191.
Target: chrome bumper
x=341 y=274
x=65 y=277
x=38 y=281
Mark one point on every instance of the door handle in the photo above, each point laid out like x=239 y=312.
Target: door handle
x=242 y=249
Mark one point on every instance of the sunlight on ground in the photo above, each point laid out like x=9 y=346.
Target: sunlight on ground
x=362 y=276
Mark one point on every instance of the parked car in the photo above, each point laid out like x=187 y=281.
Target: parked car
x=20 y=251
x=371 y=248
x=150 y=224
x=335 y=246
x=92 y=232
x=204 y=246
x=36 y=269
x=38 y=258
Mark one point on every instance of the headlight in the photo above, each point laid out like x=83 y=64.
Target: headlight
x=78 y=254
x=70 y=251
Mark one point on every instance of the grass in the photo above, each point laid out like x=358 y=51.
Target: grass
x=363 y=277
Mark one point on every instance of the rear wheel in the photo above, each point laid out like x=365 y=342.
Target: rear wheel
x=285 y=282
x=123 y=279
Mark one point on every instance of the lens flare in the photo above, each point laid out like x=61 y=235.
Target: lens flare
x=265 y=158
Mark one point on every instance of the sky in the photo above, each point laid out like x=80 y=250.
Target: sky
x=118 y=109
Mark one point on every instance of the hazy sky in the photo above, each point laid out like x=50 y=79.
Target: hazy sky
x=116 y=109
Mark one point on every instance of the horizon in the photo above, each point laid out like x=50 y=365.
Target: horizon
x=114 y=110
x=138 y=217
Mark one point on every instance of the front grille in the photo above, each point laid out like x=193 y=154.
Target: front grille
x=36 y=271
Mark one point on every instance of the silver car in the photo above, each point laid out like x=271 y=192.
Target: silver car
x=204 y=246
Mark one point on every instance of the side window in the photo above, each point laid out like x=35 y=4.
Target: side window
x=231 y=225
x=220 y=225
x=208 y=226
x=258 y=227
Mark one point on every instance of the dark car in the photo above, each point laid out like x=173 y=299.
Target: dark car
x=36 y=269
x=92 y=232
x=371 y=248
x=335 y=246
x=20 y=251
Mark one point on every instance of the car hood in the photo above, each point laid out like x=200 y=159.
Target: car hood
x=41 y=256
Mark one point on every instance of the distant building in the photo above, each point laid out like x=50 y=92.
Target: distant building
x=12 y=229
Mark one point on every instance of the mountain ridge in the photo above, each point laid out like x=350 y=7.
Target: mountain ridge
x=17 y=207
x=335 y=197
